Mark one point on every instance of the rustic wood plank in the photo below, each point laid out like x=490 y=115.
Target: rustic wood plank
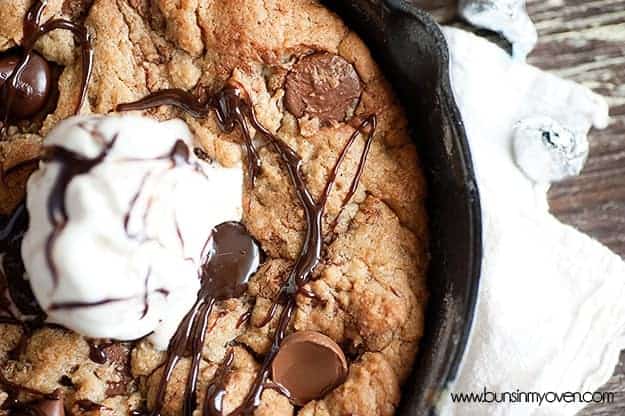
x=584 y=40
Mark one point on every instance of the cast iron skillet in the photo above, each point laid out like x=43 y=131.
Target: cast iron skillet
x=413 y=54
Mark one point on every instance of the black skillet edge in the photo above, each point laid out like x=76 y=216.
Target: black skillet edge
x=412 y=52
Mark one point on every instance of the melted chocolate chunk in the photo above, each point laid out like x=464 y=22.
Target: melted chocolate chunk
x=322 y=85
x=33 y=87
x=26 y=78
x=119 y=356
x=97 y=353
x=43 y=407
x=308 y=366
x=227 y=276
x=234 y=108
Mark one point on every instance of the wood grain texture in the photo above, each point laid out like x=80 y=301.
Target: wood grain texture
x=584 y=40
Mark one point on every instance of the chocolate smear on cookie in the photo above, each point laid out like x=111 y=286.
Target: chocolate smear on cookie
x=25 y=78
x=324 y=86
x=233 y=108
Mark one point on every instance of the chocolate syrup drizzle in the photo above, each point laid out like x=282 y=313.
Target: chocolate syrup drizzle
x=233 y=108
x=233 y=257
x=33 y=30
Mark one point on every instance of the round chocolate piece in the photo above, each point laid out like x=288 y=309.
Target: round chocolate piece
x=322 y=85
x=309 y=365
x=33 y=87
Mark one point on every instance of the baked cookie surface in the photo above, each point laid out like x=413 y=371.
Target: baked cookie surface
x=310 y=80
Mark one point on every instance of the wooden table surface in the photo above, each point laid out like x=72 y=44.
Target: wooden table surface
x=584 y=40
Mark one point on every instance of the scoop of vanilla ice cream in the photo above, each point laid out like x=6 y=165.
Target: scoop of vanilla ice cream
x=125 y=263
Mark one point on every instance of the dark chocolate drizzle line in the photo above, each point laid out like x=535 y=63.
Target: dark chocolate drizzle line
x=216 y=391
x=15 y=291
x=33 y=30
x=146 y=296
x=314 y=297
x=226 y=105
x=233 y=258
x=243 y=319
x=233 y=107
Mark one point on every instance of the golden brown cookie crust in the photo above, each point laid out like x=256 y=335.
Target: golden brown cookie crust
x=370 y=288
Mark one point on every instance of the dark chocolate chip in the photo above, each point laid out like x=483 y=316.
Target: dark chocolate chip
x=202 y=155
x=119 y=356
x=66 y=381
x=117 y=388
x=33 y=87
x=322 y=85
x=308 y=366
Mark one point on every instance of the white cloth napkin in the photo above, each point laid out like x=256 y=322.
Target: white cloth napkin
x=551 y=309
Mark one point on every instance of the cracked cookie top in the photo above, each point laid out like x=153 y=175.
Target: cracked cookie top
x=310 y=80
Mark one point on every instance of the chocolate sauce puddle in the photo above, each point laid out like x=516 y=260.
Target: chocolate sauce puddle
x=19 y=88
x=233 y=257
x=234 y=108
